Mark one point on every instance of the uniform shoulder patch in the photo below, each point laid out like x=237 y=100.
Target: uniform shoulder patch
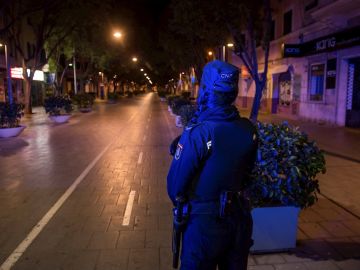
x=178 y=152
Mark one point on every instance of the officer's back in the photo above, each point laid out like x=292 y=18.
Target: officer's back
x=230 y=159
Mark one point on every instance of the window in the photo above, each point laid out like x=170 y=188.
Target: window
x=287 y=22
x=331 y=73
x=317 y=82
x=285 y=88
x=272 y=30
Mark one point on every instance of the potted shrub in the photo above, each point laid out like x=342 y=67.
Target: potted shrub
x=176 y=105
x=169 y=100
x=10 y=115
x=112 y=97
x=186 y=94
x=283 y=182
x=84 y=101
x=162 y=94
x=186 y=113
x=59 y=108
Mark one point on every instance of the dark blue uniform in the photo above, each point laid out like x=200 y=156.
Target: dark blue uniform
x=214 y=155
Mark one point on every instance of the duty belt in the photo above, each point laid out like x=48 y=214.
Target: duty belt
x=226 y=204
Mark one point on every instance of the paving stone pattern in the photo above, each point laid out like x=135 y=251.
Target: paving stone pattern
x=88 y=231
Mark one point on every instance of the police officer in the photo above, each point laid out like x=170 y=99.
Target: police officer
x=211 y=165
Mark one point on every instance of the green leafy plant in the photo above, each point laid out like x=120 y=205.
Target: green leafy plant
x=113 y=96
x=186 y=94
x=161 y=93
x=58 y=105
x=10 y=114
x=84 y=100
x=286 y=167
x=170 y=99
x=177 y=103
x=186 y=113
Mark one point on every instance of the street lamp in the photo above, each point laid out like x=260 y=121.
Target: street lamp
x=134 y=59
x=210 y=53
x=230 y=45
x=117 y=34
x=8 y=73
x=141 y=69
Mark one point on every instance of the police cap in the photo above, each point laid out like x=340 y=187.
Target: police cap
x=220 y=76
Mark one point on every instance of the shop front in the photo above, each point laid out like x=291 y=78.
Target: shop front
x=332 y=87
x=37 y=87
x=353 y=94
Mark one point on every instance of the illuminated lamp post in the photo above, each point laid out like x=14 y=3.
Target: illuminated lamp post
x=8 y=73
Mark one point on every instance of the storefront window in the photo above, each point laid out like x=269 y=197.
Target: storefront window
x=317 y=82
x=285 y=88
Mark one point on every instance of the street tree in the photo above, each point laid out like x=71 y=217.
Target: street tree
x=202 y=24
x=47 y=21
x=87 y=42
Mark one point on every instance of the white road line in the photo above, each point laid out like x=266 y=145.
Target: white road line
x=147 y=127
x=128 y=209
x=144 y=139
x=21 y=248
x=140 y=157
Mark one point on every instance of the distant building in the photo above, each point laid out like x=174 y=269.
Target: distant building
x=314 y=62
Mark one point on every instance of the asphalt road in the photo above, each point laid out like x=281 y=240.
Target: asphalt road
x=38 y=167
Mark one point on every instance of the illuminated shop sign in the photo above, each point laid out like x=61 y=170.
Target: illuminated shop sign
x=339 y=40
x=17 y=73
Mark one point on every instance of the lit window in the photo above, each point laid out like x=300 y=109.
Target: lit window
x=316 y=87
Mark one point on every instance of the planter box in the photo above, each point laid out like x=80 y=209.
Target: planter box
x=275 y=228
x=11 y=132
x=60 y=118
x=85 y=110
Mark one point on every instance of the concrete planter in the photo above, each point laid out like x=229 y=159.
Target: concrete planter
x=11 y=132
x=275 y=228
x=59 y=119
x=85 y=110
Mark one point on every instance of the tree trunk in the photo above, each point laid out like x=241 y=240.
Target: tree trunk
x=28 y=105
x=256 y=103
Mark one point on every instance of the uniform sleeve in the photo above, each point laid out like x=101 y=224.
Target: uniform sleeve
x=191 y=151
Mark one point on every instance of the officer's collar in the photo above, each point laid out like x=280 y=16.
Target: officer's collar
x=219 y=113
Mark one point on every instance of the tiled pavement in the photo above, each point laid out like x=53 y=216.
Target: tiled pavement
x=88 y=231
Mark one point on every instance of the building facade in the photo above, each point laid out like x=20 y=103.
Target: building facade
x=314 y=62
